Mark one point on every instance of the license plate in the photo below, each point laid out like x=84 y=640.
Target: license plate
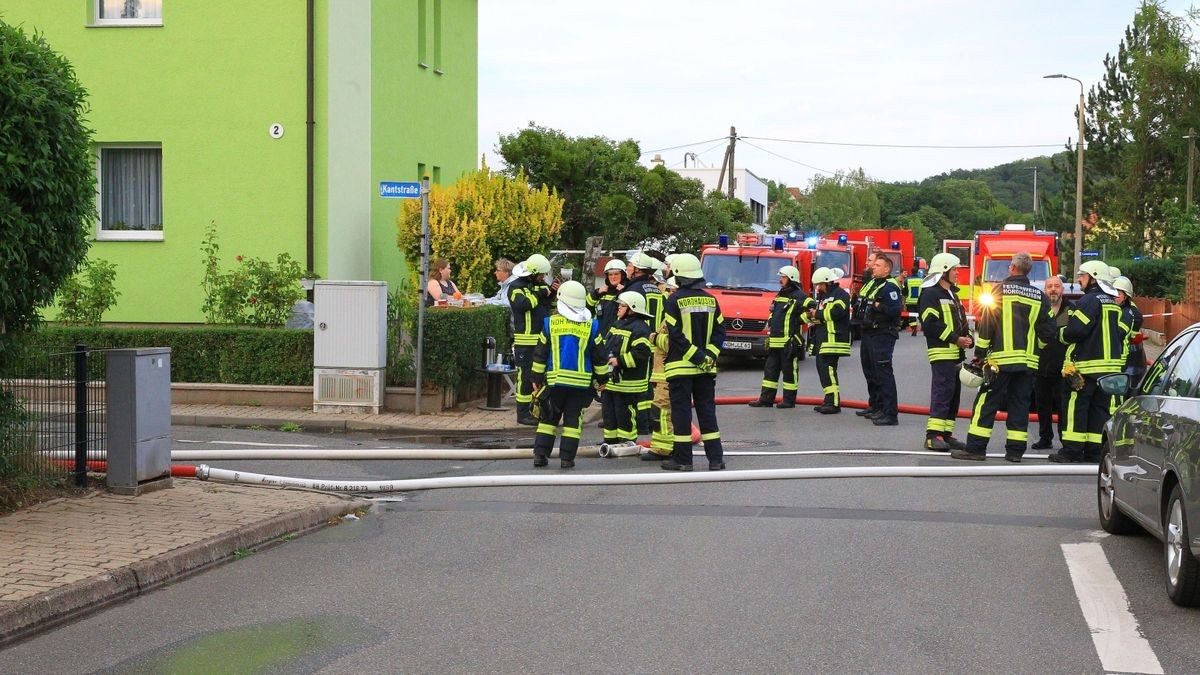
x=737 y=345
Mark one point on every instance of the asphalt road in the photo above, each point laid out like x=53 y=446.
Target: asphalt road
x=850 y=575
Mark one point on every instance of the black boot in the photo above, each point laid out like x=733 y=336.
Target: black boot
x=789 y=400
x=523 y=415
x=765 y=400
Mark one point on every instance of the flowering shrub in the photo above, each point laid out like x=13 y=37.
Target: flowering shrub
x=255 y=293
x=86 y=295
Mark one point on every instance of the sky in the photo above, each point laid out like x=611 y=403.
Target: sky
x=919 y=72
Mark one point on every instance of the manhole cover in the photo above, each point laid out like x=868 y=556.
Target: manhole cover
x=748 y=443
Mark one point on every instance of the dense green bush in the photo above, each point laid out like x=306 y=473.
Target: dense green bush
x=1153 y=277
x=226 y=355
x=453 y=343
x=86 y=295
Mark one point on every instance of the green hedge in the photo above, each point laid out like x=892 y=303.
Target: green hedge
x=206 y=354
x=275 y=356
x=1153 y=277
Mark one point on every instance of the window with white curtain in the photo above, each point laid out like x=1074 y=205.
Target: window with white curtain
x=130 y=187
x=128 y=12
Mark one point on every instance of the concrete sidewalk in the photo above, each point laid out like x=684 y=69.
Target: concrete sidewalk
x=66 y=557
x=466 y=418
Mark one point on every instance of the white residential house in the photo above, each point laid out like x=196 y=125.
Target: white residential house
x=746 y=187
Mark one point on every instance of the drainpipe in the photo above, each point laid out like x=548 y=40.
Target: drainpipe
x=310 y=123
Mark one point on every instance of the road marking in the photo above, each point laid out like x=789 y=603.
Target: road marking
x=1119 y=641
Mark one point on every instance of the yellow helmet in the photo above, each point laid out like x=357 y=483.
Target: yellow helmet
x=537 y=264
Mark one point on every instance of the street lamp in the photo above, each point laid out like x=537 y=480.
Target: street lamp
x=1078 y=171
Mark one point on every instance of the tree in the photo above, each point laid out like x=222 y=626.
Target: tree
x=925 y=242
x=1136 y=118
x=844 y=201
x=47 y=183
x=787 y=213
x=606 y=191
x=482 y=217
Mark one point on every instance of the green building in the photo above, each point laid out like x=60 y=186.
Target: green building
x=275 y=119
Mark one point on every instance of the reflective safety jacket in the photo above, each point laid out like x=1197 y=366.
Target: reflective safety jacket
x=569 y=353
x=1013 y=330
x=886 y=317
x=603 y=303
x=694 y=330
x=648 y=289
x=1097 y=333
x=787 y=317
x=530 y=303
x=629 y=342
x=831 y=329
x=943 y=321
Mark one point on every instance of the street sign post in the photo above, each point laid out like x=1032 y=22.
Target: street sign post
x=399 y=190
x=1089 y=254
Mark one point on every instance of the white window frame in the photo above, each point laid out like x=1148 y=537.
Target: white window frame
x=98 y=22
x=121 y=235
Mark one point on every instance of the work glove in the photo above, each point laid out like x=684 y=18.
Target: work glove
x=708 y=365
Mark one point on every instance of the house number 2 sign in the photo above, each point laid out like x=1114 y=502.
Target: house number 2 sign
x=276 y=130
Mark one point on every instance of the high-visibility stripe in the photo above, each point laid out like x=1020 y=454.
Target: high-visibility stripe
x=976 y=429
x=1017 y=435
x=1070 y=432
x=710 y=436
x=943 y=353
x=682 y=439
x=543 y=428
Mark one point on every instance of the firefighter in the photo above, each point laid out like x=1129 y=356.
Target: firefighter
x=529 y=297
x=913 y=284
x=641 y=281
x=693 y=342
x=946 y=336
x=1013 y=326
x=1135 y=362
x=662 y=436
x=830 y=317
x=628 y=349
x=883 y=300
x=603 y=301
x=1096 y=336
x=568 y=359
x=784 y=341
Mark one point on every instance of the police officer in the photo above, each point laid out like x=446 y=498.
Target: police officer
x=603 y=301
x=641 y=281
x=529 y=297
x=858 y=320
x=883 y=300
x=693 y=342
x=1011 y=330
x=1096 y=335
x=946 y=336
x=784 y=340
x=568 y=358
x=628 y=349
x=830 y=330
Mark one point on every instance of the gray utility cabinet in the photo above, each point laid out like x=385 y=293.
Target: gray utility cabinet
x=139 y=419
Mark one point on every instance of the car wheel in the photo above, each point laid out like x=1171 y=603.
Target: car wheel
x=1183 y=572
x=1112 y=519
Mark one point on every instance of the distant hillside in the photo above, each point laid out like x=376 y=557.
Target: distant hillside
x=1012 y=183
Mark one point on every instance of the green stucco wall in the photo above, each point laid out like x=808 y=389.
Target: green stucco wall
x=206 y=85
x=419 y=115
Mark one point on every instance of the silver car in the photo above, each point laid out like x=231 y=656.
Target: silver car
x=1150 y=467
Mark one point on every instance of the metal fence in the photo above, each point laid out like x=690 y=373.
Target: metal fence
x=57 y=402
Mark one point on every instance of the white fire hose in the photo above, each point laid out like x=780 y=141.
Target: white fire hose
x=469 y=454
x=205 y=472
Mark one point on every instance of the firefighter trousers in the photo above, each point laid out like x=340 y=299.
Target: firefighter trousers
x=567 y=405
x=780 y=360
x=662 y=438
x=523 y=360
x=1011 y=389
x=701 y=391
x=619 y=410
x=1086 y=411
x=827 y=366
x=945 y=394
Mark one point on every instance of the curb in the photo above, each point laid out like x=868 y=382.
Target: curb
x=351 y=425
x=52 y=608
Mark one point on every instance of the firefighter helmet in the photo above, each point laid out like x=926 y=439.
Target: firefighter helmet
x=641 y=261
x=537 y=264
x=1124 y=285
x=687 y=266
x=614 y=265
x=791 y=273
x=1095 y=269
x=635 y=302
x=573 y=294
x=970 y=375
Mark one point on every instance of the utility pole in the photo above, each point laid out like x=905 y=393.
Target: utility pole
x=1035 y=192
x=732 y=147
x=1191 y=167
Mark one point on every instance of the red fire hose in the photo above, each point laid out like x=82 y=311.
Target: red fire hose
x=177 y=470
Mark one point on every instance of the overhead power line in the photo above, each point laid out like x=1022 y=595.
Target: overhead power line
x=686 y=145
x=899 y=145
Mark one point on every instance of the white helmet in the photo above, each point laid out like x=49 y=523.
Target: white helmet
x=1114 y=271
x=573 y=294
x=1099 y=271
x=635 y=302
x=614 y=265
x=970 y=375
x=1124 y=285
x=818 y=275
x=642 y=261
x=537 y=264
x=941 y=263
x=791 y=273
x=687 y=266
x=520 y=270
